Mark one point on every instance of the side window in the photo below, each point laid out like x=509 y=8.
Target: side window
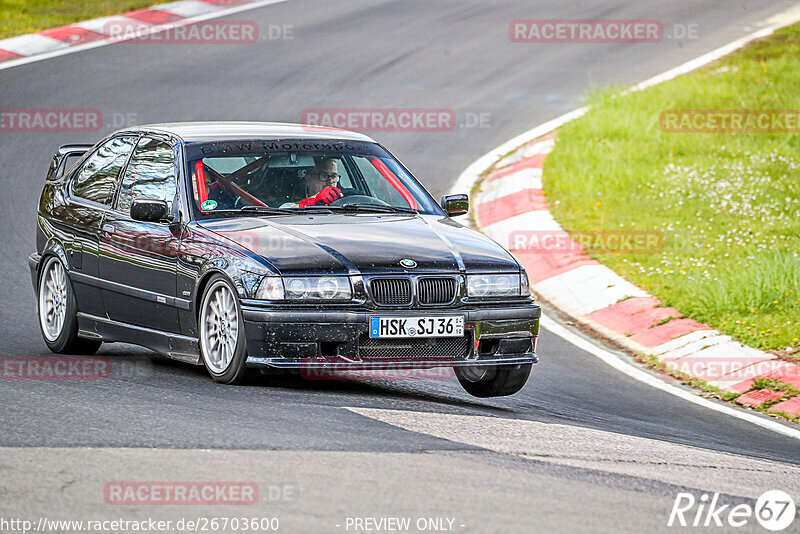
x=97 y=178
x=150 y=173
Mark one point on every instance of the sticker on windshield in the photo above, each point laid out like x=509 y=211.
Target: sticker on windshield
x=208 y=205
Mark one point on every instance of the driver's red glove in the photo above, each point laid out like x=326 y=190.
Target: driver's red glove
x=326 y=196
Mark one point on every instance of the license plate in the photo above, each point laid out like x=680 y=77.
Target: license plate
x=438 y=326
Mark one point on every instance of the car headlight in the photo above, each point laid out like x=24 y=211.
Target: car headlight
x=524 y=285
x=494 y=285
x=318 y=288
x=270 y=288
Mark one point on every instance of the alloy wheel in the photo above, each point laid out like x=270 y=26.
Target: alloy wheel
x=53 y=300
x=219 y=327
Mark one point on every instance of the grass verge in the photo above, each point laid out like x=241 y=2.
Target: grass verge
x=27 y=16
x=726 y=204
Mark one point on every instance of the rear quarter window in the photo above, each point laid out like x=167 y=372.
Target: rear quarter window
x=97 y=178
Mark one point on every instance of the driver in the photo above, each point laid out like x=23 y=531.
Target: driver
x=321 y=183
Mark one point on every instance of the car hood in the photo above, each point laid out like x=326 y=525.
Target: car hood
x=364 y=243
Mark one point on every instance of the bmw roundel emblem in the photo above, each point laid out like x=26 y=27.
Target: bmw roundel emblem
x=410 y=264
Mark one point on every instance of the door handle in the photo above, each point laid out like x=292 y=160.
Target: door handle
x=109 y=228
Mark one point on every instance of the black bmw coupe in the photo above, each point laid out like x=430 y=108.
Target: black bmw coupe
x=273 y=246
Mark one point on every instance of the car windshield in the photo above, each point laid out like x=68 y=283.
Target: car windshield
x=349 y=178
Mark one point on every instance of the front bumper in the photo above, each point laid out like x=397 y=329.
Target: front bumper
x=324 y=338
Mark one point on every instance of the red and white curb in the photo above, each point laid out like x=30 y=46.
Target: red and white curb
x=511 y=199
x=94 y=32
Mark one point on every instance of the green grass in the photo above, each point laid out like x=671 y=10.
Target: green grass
x=727 y=205
x=27 y=16
x=776 y=385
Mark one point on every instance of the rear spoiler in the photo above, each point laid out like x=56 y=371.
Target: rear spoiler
x=64 y=152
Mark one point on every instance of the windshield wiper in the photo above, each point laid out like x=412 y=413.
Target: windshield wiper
x=285 y=211
x=375 y=207
x=347 y=208
x=265 y=209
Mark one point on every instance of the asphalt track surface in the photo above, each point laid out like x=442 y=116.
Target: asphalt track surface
x=357 y=448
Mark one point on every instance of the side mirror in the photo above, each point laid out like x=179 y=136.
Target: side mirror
x=455 y=205
x=149 y=210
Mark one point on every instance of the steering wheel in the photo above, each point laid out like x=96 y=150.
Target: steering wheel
x=349 y=191
x=358 y=199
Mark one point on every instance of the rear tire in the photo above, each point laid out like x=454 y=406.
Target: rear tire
x=58 y=311
x=223 y=345
x=497 y=381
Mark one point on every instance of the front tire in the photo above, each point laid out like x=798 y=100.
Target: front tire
x=223 y=345
x=58 y=312
x=496 y=381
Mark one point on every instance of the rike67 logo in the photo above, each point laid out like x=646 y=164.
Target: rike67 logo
x=774 y=510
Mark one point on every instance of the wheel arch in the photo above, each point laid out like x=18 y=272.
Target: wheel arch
x=53 y=249
x=203 y=280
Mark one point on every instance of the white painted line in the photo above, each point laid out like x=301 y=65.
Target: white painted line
x=784 y=19
x=542 y=147
x=467 y=179
x=499 y=231
x=610 y=451
x=155 y=29
x=657 y=383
